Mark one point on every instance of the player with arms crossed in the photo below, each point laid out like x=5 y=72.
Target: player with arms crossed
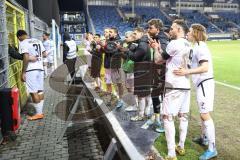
x=202 y=77
x=32 y=72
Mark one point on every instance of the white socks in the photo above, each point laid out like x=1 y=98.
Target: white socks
x=141 y=105
x=210 y=133
x=39 y=107
x=183 y=127
x=203 y=130
x=149 y=106
x=149 y=100
x=136 y=100
x=98 y=82
x=170 y=136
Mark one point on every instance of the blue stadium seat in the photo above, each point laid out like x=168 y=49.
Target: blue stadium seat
x=148 y=13
x=197 y=17
x=107 y=16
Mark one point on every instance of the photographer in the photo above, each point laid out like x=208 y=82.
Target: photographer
x=141 y=55
x=112 y=64
x=96 y=61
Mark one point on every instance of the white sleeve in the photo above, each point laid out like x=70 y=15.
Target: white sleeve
x=42 y=47
x=171 y=48
x=23 y=48
x=203 y=53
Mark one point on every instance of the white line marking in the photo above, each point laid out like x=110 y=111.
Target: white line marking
x=228 y=85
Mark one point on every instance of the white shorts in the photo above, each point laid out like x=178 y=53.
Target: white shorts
x=205 y=96
x=34 y=81
x=176 y=101
x=50 y=59
x=129 y=80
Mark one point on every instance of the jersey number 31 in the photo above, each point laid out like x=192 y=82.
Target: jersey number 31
x=38 y=50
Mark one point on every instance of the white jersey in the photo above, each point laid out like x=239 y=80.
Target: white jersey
x=49 y=46
x=200 y=53
x=179 y=51
x=72 y=49
x=33 y=47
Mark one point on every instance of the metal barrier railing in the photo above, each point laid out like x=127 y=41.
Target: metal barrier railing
x=15 y=21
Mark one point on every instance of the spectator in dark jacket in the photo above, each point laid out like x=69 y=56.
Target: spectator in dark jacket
x=112 y=64
x=141 y=56
x=96 y=60
x=155 y=31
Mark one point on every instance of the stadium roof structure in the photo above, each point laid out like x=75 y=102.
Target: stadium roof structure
x=71 y=5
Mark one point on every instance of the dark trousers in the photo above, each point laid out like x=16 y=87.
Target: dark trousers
x=71 y=66
x=156 y=104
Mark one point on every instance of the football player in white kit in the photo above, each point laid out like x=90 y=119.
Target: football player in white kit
x=48 y=61
x=32 y=72
x=176 y=101
x=202 y=77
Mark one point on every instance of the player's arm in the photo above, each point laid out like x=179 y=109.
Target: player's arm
x=203 y=56
x=25 y=62
x=25 y=65
x=201 y=69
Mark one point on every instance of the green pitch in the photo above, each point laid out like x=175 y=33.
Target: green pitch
x=226 y=57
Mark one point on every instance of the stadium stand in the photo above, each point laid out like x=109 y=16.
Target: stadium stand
x=106 y=16
x=227 y=19
x=197 y=17
x=148 y=13
x=230 y=16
